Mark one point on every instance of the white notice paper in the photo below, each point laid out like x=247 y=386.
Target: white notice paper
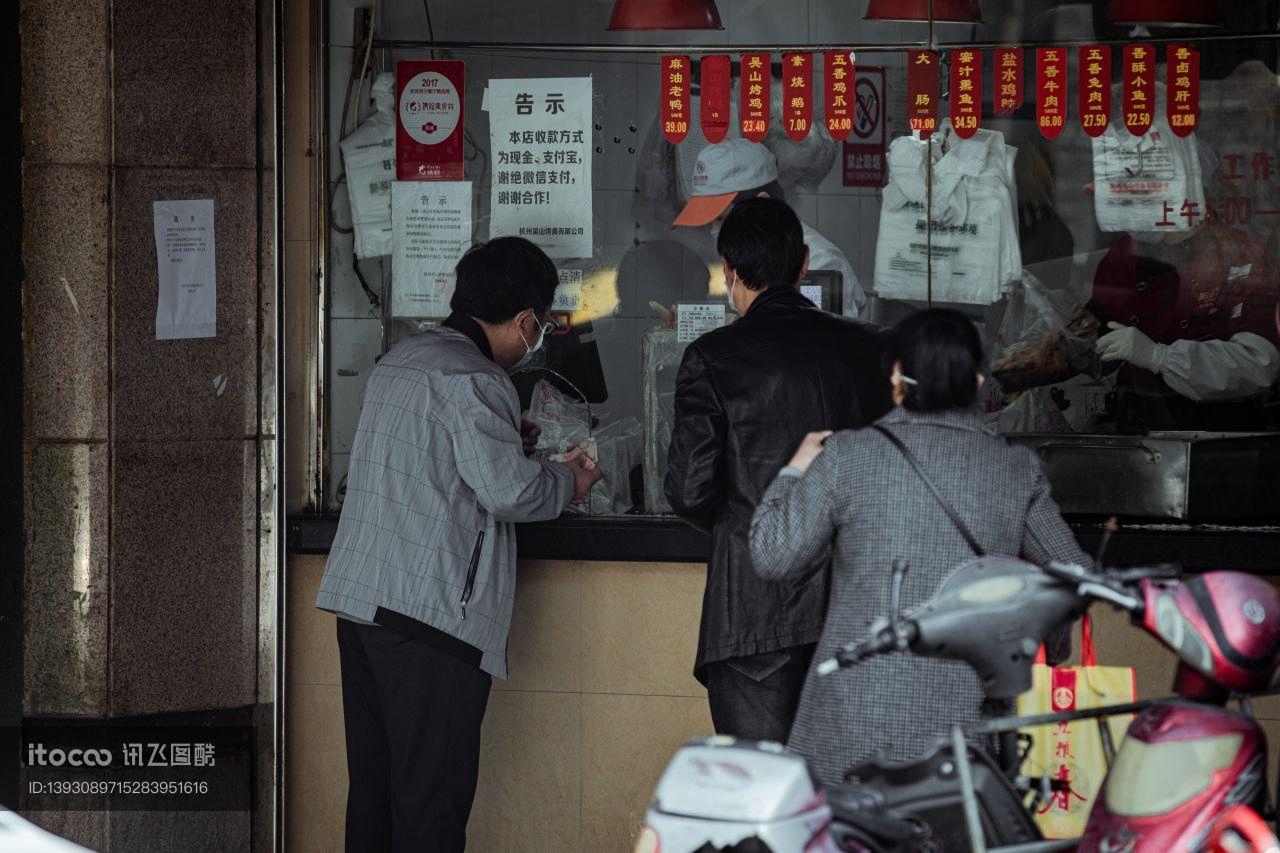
x=431 y=229
x=696 y=319
x=569 y=292
x=188 y=300
x=540 y=133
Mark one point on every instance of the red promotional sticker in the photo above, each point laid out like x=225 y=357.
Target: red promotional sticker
x=922 y=91
x=839 y=75
x=966 y=91
x=1139 y=75
x=753 y=96
x=714 y=114
x=1008 y=80
x=674 y=97
x=1183 y=64
x=429 y=132
x=1051 y=90
x=1095 y=88
x=797 y=94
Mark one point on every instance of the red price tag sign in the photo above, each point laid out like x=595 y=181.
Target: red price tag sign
x=753 y=96
x=1139 y=75
x=715 y=98
x=1183 y=65
x=1008 y=80
x=922 y=91
x=1051 y=91
x=1095 y=88
x=674 y=97
x=966 y=91
x=797 y=94
x=839 y=74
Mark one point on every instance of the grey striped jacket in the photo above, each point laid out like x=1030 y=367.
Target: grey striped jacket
x=862 y=495
x=438 y=475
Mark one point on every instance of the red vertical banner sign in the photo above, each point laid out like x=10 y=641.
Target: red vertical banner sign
x=797 y=94
x=753 y=96
x=1008 y=80
x=1095 y=88
x=1183 y=107
x=922 y=91
x=429 y=132
x=714 y=115
x=1051 y=90
x=838 y=74
x=1139 y=75
x=675 y=98
x=966 y=91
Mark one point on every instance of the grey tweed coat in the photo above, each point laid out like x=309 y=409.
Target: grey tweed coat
x=862 y=496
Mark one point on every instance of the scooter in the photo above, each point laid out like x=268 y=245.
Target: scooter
x=1189 y=775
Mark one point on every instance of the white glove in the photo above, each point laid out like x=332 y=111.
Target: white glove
x=1127 y=343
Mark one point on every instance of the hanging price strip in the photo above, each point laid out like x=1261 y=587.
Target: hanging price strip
x=1183 y=88
x=1008 y=80
x=922 y=91
x=1095 y=88
x=797 y=94
x=674 y=97
x=1139 y=75
x=966 y=91
x=753 y=96
x=714 y=114
x=838 y=73
x=1051 y=91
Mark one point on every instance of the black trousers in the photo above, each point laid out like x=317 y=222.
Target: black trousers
x=413 y=716
x=755 y=697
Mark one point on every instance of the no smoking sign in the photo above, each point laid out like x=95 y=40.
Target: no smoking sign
x=864 y=151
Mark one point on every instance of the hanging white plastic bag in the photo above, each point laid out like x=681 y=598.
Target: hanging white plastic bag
x=1142 y=183
x=369 y=157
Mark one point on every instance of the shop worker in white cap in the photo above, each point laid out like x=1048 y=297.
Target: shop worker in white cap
x=730 y=171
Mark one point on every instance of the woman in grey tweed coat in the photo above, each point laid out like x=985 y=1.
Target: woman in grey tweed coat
x=858 y=494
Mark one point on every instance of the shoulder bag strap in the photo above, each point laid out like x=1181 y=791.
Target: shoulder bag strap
x=951 y=513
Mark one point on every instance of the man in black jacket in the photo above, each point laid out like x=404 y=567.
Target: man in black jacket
x=746 y=395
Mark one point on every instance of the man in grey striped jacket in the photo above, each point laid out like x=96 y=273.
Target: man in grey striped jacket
x=422 y=571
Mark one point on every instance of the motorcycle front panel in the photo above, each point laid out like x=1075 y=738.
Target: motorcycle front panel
x=1179 y=767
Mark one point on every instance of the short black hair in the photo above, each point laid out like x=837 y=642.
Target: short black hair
x=499 y=279
x=763 y=240
x=940 y=349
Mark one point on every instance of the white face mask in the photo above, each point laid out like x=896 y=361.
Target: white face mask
x=530 y=350
x=729 y=293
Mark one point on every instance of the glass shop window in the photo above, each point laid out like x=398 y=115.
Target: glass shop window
x=1101 y=196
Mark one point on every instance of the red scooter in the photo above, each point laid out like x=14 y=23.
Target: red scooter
x=1189 y=776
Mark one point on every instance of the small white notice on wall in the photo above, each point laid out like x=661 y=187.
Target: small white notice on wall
x=188 y=299
x=694 y=320
x=569 y=292
x=431 y=229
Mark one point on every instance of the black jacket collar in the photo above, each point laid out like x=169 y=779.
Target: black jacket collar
x=779 y=297
x=470 y=328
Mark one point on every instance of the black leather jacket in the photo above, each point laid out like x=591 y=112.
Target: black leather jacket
x=746 y=395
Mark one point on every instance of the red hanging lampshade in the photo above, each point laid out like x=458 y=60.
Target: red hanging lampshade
x=944 y=11
x=1166 y=13
x=665 y=15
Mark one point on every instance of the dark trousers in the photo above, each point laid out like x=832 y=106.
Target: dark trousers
x=755 y=697
x=413 y=717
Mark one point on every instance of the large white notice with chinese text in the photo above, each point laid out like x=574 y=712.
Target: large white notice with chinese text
x=187 y=306
x=540 y=132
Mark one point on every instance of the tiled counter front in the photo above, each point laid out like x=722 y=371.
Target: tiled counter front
x=601 y=694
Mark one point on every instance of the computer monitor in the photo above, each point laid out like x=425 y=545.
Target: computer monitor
x=824 y=288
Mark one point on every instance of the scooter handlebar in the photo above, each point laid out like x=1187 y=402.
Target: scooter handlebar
x=882 y=641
